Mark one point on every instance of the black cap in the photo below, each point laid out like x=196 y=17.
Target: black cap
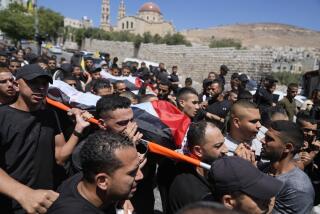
x=243 y=78
x=231 y=174
x=95 y=70
x=30 y=72
x=271 y=79
x=224 y=68
x=31 y=58
x=66 y=67
x=3 y=53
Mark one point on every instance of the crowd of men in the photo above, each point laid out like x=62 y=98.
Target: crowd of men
x=263 y=152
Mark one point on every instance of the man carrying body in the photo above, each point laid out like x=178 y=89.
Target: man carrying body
x=30 y=144
x=205 y=143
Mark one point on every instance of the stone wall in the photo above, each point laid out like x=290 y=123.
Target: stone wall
x=194 y=62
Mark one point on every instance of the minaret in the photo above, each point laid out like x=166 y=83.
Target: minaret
x=105 y=15
x=122 y=10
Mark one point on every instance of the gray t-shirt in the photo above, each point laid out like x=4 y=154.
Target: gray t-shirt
x=297 y=194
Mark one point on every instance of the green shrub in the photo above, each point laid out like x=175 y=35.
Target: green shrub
x=224 y=43
x=285 y=78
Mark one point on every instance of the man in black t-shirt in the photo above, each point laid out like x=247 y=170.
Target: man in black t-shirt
x=205 y=143
x=31 y=141
x=111 y=172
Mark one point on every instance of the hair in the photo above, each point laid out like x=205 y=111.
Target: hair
x=184 y=92
x=266 y=116
x=245 y=95
x=305 y=116
x=101 y=83
x=129 y=94
x=110 y=103
x=165 y=82
x=196 y=133
x=243 y=104
x=205 y=207
x=188 y=80
x=68 y=77
x=98 y=153
x=4 y=69
x=293 y=85
x=118 y=82
x=290 y=132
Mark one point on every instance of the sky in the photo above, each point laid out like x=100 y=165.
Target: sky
x=191 y=14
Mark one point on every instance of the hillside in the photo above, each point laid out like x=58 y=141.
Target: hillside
x=262 y=34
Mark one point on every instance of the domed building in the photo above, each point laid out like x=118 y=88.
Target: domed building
x=148 y=19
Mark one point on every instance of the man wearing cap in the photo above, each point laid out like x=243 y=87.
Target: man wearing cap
x=31 y=143
x=205 y=143
x=240 y=186
x=282 y=142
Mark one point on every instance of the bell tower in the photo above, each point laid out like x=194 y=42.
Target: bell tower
x=122 y=10
x=105 y=15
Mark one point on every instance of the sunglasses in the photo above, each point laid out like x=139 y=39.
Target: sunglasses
x=124 y=122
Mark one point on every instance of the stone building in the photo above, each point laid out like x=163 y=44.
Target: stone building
x=148 y=19
x=85 y=22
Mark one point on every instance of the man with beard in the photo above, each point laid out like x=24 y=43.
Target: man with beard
x=31 y=144
x=110 y=173
x=164 y=90
x=205 y=143
x=7 y=86
x=52 y=65
x=282 y=142
x=244 y=126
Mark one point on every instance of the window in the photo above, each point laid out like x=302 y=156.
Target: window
x=127 y=24
x=300 y=68
x=147 y=17
x=131 y=24
x=122 y=25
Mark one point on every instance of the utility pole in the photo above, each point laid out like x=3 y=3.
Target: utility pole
x=36 y=27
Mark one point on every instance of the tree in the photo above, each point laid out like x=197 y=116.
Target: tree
x=50 y=23
x=16 y=23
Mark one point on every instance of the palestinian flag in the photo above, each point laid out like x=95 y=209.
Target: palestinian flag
x=162 y=122
x=159 y=121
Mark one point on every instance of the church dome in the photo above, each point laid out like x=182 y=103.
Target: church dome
x=149 y=7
